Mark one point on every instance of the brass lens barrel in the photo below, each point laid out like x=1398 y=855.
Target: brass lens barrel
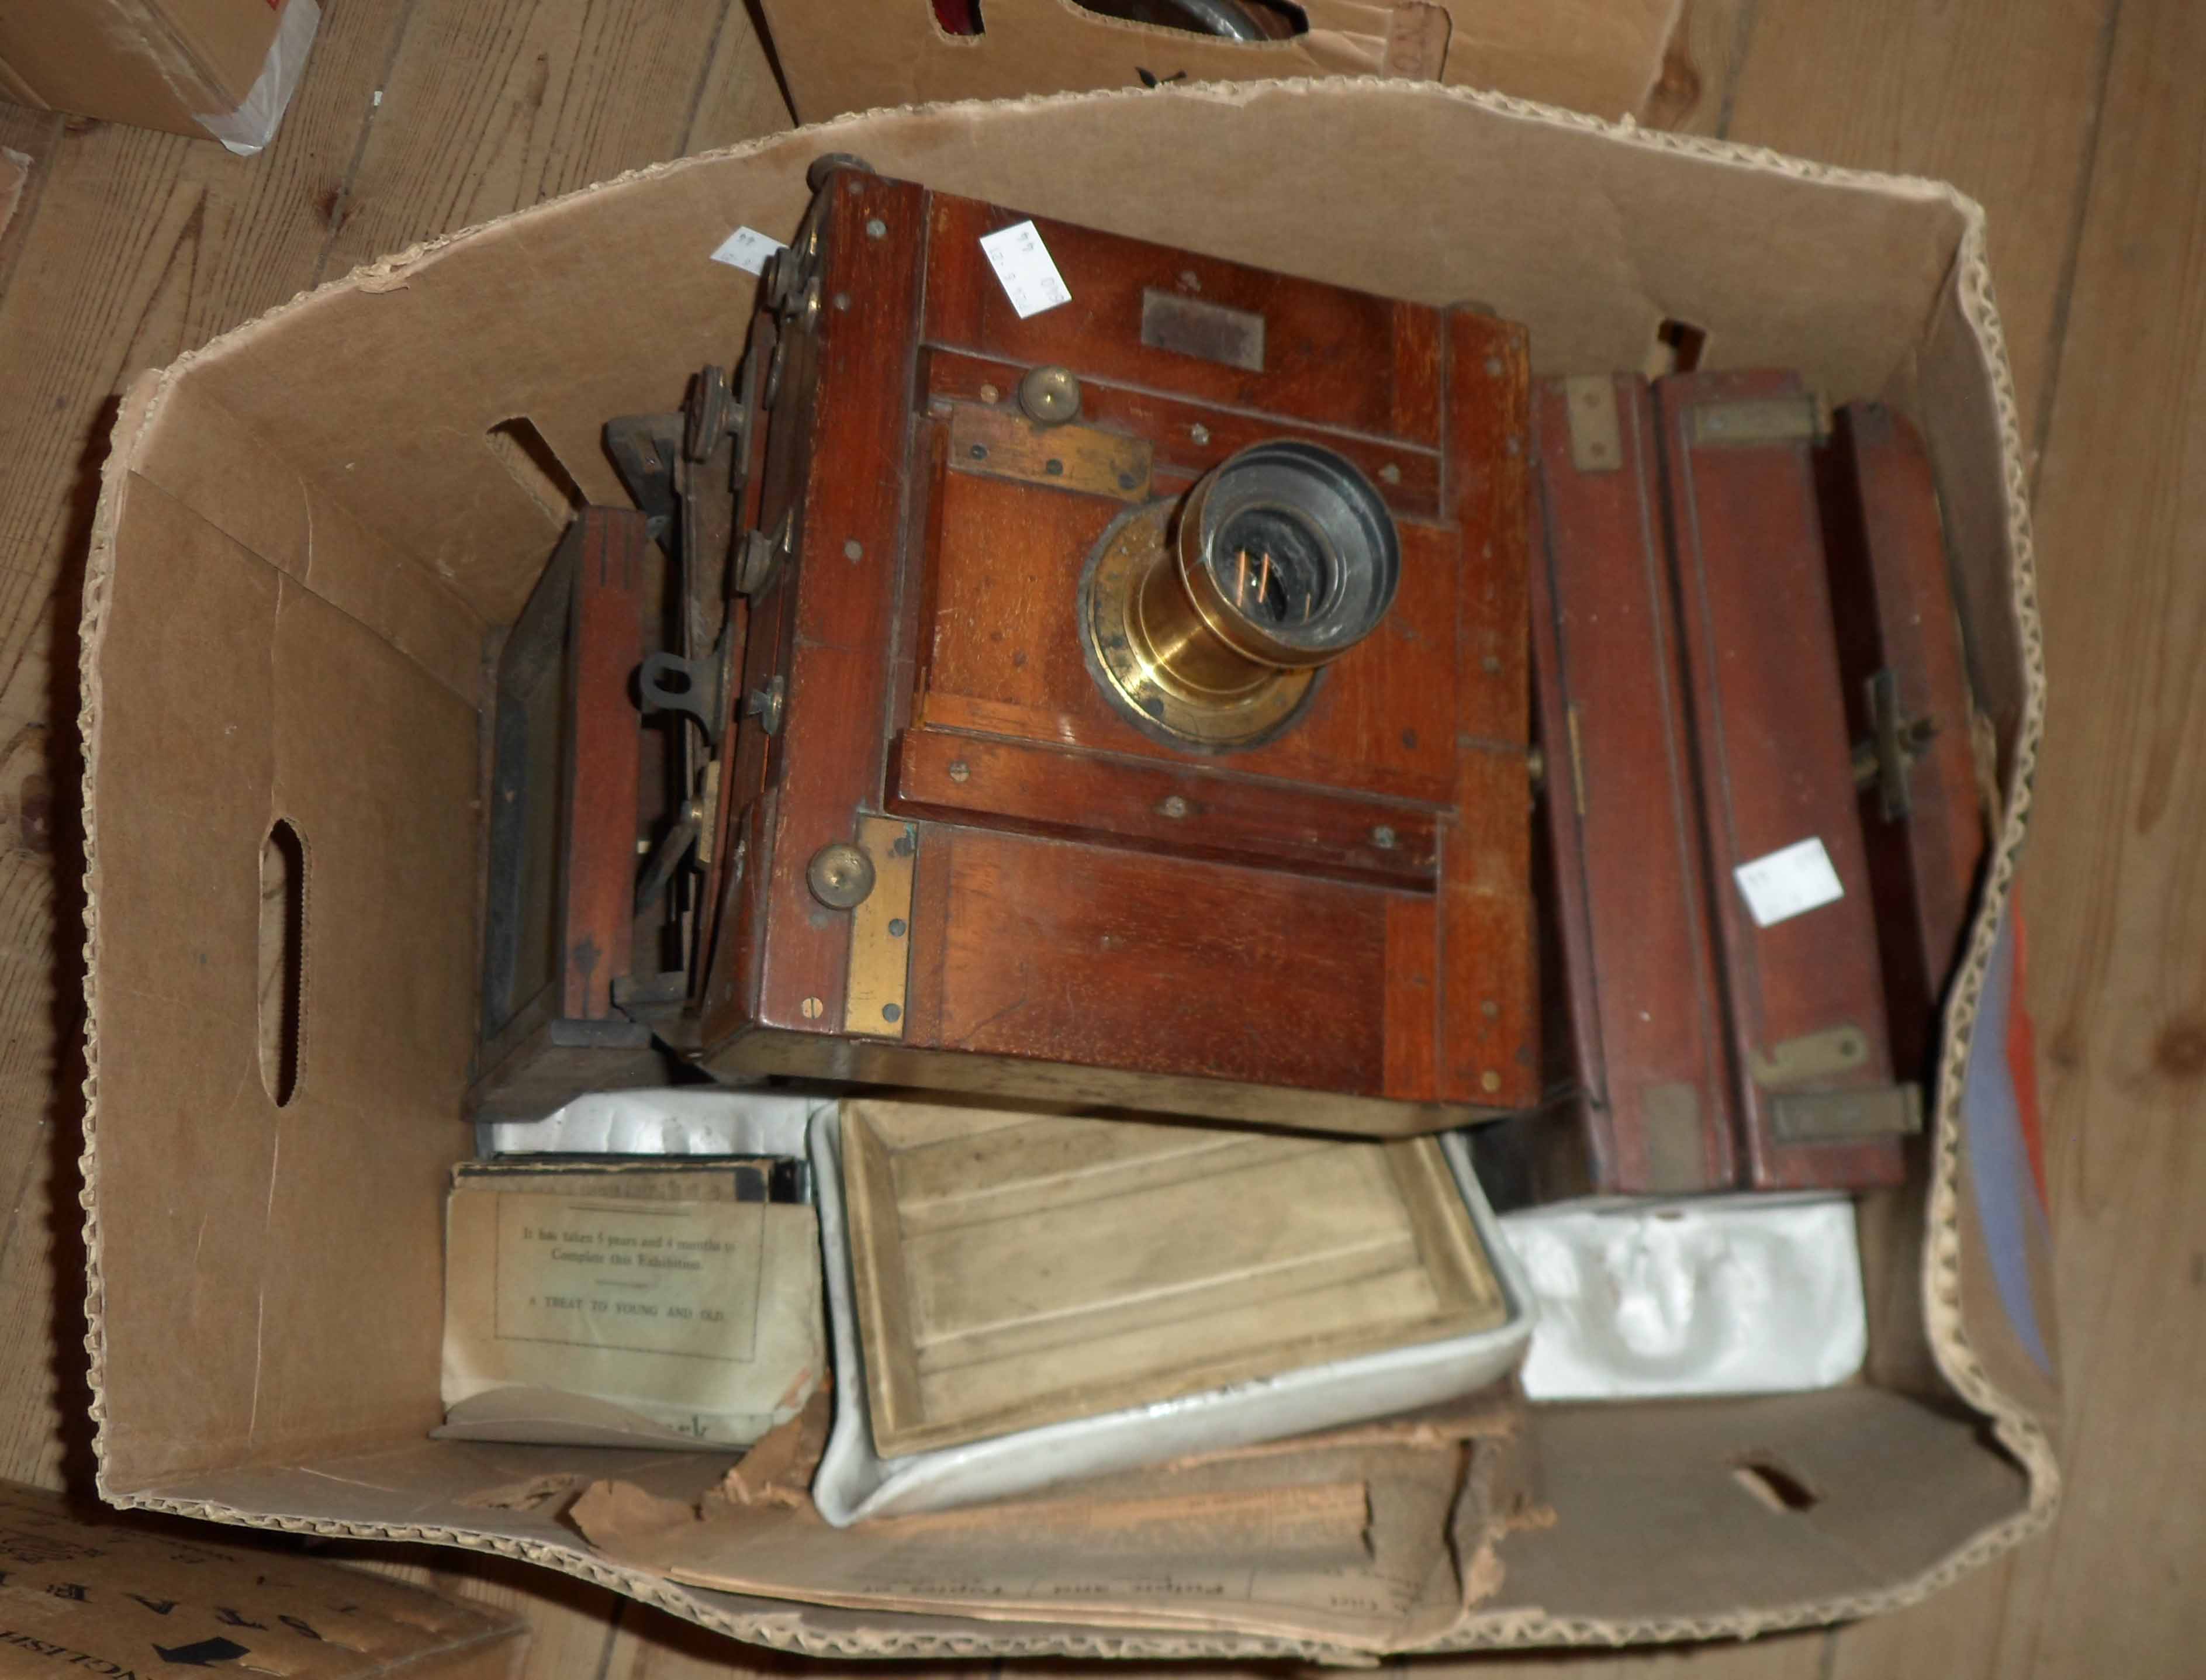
x=1208 y=625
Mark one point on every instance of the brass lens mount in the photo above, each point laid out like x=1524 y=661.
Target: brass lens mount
x=1206 y=620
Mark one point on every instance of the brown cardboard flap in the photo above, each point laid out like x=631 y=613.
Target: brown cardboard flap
x=1843 y=275
x=265 y=1247
x=1787 y=1502
x=248 y=488
x=1348 y=1546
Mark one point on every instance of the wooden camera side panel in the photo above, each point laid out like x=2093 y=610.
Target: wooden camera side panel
x=1889 y=581
x=1621 y=813
x=1775 y=763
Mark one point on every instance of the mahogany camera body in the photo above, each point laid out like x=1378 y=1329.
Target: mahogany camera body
x=1131 y=704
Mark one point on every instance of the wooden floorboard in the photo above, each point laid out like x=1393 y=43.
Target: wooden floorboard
x=2080 y=124
x=2116 y=882
x=495 y=105
x=1996 y=96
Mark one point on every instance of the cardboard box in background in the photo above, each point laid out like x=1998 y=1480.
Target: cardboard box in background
x=1599 y=56
x=286 y=603
x=223 y=69
x=113 y=1597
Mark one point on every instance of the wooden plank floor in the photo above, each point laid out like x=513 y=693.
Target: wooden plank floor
x=2080 y=124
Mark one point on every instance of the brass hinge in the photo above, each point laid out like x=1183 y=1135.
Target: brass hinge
x=1004 y=443
x=1596 y=433
x=1812 y=1056
x=873 y=992
x=1835 y=1117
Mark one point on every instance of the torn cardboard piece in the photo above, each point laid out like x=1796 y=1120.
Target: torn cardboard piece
x=778 y=1469
x=1351 y=1545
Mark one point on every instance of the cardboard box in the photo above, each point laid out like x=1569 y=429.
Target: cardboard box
x=110 y=1598
x=1601 y=56
x=308 y=529
x=627 y=1303
x=209 y=69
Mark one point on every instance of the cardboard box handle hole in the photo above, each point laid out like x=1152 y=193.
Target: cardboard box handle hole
x=283 y=959
x=1771 y=1484
x=534 y=465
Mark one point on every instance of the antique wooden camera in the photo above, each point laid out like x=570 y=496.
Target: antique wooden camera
x=1762 y=835
x=1122 y=701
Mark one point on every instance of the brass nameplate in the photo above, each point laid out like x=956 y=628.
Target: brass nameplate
x=1836 y=1116
x=1676 y=1144
x=1188 y=326
x=1003 y=443
x=880 y=932
x=1766 y=419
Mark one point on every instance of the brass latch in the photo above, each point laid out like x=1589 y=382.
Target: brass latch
x=1895 y=743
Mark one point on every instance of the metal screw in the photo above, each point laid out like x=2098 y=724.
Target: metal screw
x=876 y=228
x=895 y=928
x=840 y=875
x=1127 y=480
x=1391 y=473
x=1490 y=1009
x=1171 y=805
x=978 y=451
x=1489 y=1082
x=890 y=1012
x=766 y=705
x=842 y=300
x=853 y=549
x=989 y=394
x=1494 y=368
x=906 y=843
x=1199 y=434
x=1383 y=837
x=1054 y=469
x=959 y=770
x=811 y=1009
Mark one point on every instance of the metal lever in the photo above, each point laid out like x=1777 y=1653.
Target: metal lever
x=669 y=682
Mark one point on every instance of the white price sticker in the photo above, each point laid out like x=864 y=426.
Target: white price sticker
x=1023 y=263
x=748 y=249
x=1789 y=882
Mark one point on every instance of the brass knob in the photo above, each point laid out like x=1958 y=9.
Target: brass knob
x=841 y=876
x=1050 y=395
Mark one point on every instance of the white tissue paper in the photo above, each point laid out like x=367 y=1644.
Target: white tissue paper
x=253 y=124
x=1733 y=1294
